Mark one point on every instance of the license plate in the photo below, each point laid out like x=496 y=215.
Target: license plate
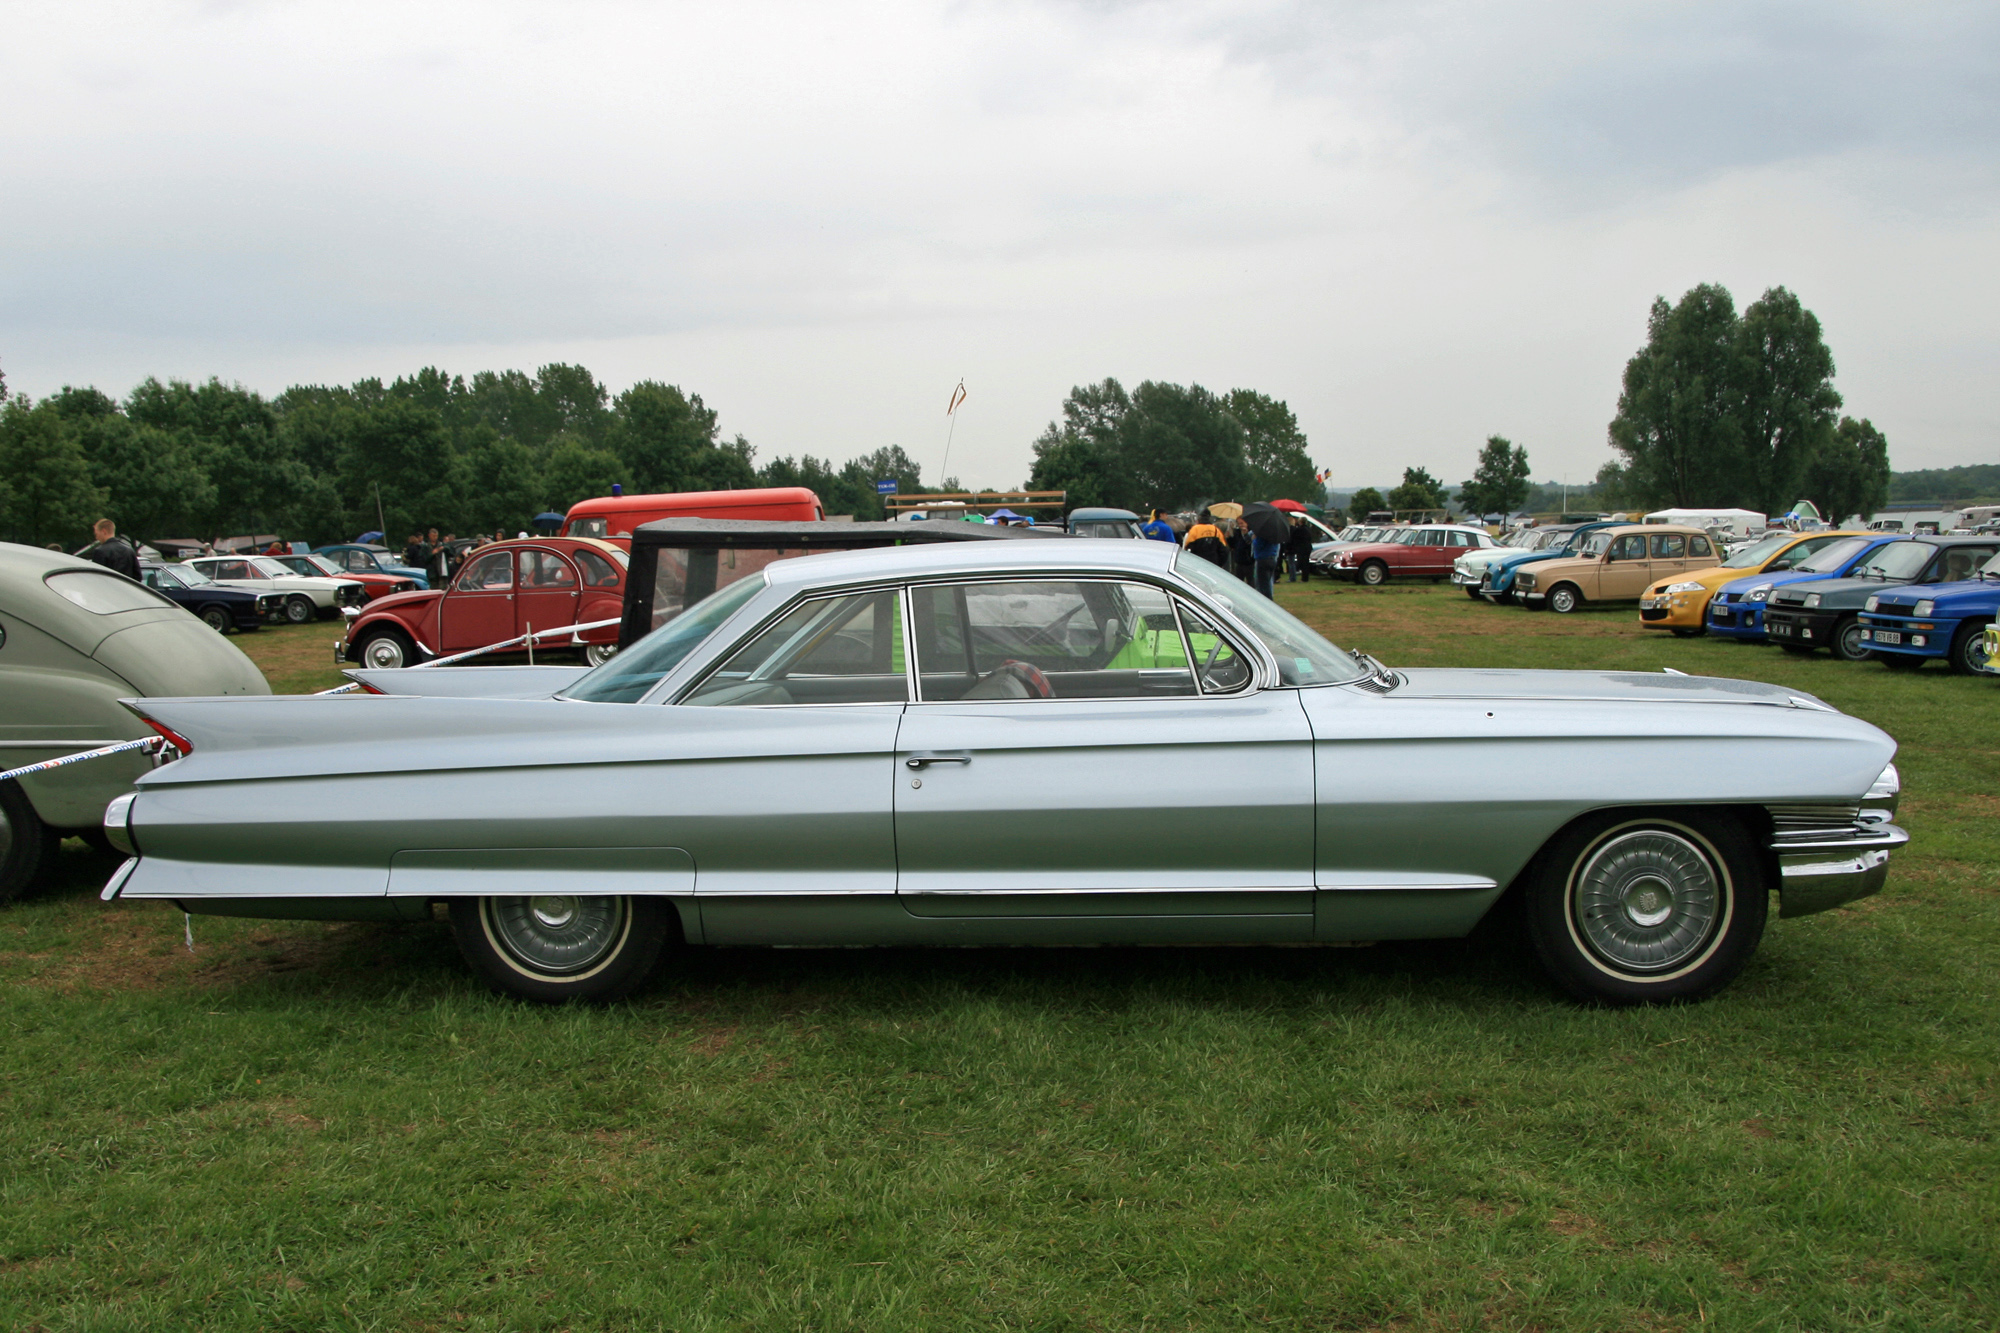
x=1778 y=629
x=1888 y=636
x=1648 y=604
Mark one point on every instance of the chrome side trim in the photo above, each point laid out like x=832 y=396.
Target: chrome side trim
x=1092 y=893
x=118 y=878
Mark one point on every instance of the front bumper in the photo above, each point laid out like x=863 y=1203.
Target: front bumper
x=1992 y=665
x=1680 y=610
x=1907 y=634
x=1743 y=620
x=1813 y=629
x=1830 y=870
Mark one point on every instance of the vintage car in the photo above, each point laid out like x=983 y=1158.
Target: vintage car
x=1468 y=571
x=1105 y=523
x=617 y=516
x=1615 y=564
x=221 y=609
x=1497 y=584
x=1736 y=611
x=1018 y=743
x=1354 y=534
x=1425 y=550
x=501 y=591
x=1991 y=664
x=318 y=566
x=306 y=598
x=1825 y=613
x=1680 y=604
x=1910 y=626
x=357 y=558
x=75 y=638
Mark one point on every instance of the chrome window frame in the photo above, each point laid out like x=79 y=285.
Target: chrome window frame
x=714 y=662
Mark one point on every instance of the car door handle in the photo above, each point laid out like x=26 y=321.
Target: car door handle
x=925 y=758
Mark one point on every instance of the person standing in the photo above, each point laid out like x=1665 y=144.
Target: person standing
x=1159 y=529
x=1265 y=552
x=1206 y=540
x=110 y=550
x=437 y=562
x=415 y=553
x=1242 y=555
x=1298 y=550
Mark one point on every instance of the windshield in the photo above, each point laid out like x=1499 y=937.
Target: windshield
x=637 y=669
x=1897 y=560
x=1754 y=555
x=1596 y=544
x=1304 y=658
x=1832 y=558
x=316 y=565
x=192 y=575
x=270 y=568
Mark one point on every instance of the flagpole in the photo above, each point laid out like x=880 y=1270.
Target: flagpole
x=951 y=413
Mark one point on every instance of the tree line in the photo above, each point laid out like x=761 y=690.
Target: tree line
x=321 y=464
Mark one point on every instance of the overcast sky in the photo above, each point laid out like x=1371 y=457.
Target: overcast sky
x=1418 y=224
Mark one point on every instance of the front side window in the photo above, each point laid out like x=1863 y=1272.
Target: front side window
x=1669 y=546
x=1066 y=639
x=587 y=527
x=1632 y=546
x=233 y=569
x=1304 y=658
x=489 y=573
x=829 y=650
x=545 y=570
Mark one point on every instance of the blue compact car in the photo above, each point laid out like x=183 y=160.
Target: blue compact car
x=1918 y=623
x=357 y=558
x=1737 y=609
x=1497 y=584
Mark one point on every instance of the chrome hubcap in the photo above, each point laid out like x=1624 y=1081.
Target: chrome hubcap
x=383 y=653
x=1647 y=900
x=558 y=935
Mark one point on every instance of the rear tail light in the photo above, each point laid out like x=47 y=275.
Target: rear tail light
x=174 y=738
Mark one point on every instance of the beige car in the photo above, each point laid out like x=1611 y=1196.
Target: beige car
x=1617 y=565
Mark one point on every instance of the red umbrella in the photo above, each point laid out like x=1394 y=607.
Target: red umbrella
x=1292 y=505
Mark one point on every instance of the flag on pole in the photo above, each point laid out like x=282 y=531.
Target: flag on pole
x=957 y=397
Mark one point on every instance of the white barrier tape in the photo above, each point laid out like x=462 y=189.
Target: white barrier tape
x=147 y=743
x=538 y=636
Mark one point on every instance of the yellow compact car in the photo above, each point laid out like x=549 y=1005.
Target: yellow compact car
x=1680 y=603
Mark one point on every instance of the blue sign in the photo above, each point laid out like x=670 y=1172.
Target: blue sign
x=886 y=486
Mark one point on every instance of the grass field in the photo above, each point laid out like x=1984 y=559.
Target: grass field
x=334 y=1127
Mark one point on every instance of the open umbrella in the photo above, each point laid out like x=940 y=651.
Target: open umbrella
x=1266 y=522
x=1227 y=509
x=549 y=520
x=1289 y=506
x=367 y=537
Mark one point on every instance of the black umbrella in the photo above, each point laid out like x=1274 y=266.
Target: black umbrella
x=1272 y=525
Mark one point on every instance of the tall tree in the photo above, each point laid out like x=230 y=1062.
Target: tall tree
x=1849 y=473
x=660 y=434
x=1678 y=425
x=1418 y=490
x=1274 y=448
x=1364 y=502
x=397 y=462
x=577 y=470
x=155 y=485
x=1079 y=455
x=1788 y=402
x=49 y=495
x=1176 y=447
x=1499 y=481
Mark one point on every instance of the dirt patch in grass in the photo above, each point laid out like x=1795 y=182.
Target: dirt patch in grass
x=143 y=947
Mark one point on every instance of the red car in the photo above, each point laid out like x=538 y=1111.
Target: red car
x=1425 y=550
x=377 y=586
x=501 y=591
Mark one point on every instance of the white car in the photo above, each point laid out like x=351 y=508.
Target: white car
x=1469 y=570
x=306 y=599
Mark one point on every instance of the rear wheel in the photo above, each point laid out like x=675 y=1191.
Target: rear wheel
x=387 y=649
x=1374 y=573
x=1848 y=645
x=1638 y=908
x=1564 y=598
x=597 y=654
x=1968 y=650
x=300 y=610
x=555 y=948
x=27 y=845
x=217 y=618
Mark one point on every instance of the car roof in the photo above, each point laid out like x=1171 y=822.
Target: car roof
x=1099 y=512
x=975 y=559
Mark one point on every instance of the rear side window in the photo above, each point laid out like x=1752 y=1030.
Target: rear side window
x=1698 y=546
x=1669 y=546
x=831 y=650
x=103 y=594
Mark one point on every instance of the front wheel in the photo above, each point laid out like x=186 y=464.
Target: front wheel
x=557 y=947
x=300 y=610
x=1628 y=908
x=1848 y=645
x=1472 y=591
x=1374 y=573
x=1564 y=598
x=1968 y=650
x=387 y=650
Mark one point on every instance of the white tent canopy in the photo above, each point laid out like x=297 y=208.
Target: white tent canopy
x=1742 y=522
